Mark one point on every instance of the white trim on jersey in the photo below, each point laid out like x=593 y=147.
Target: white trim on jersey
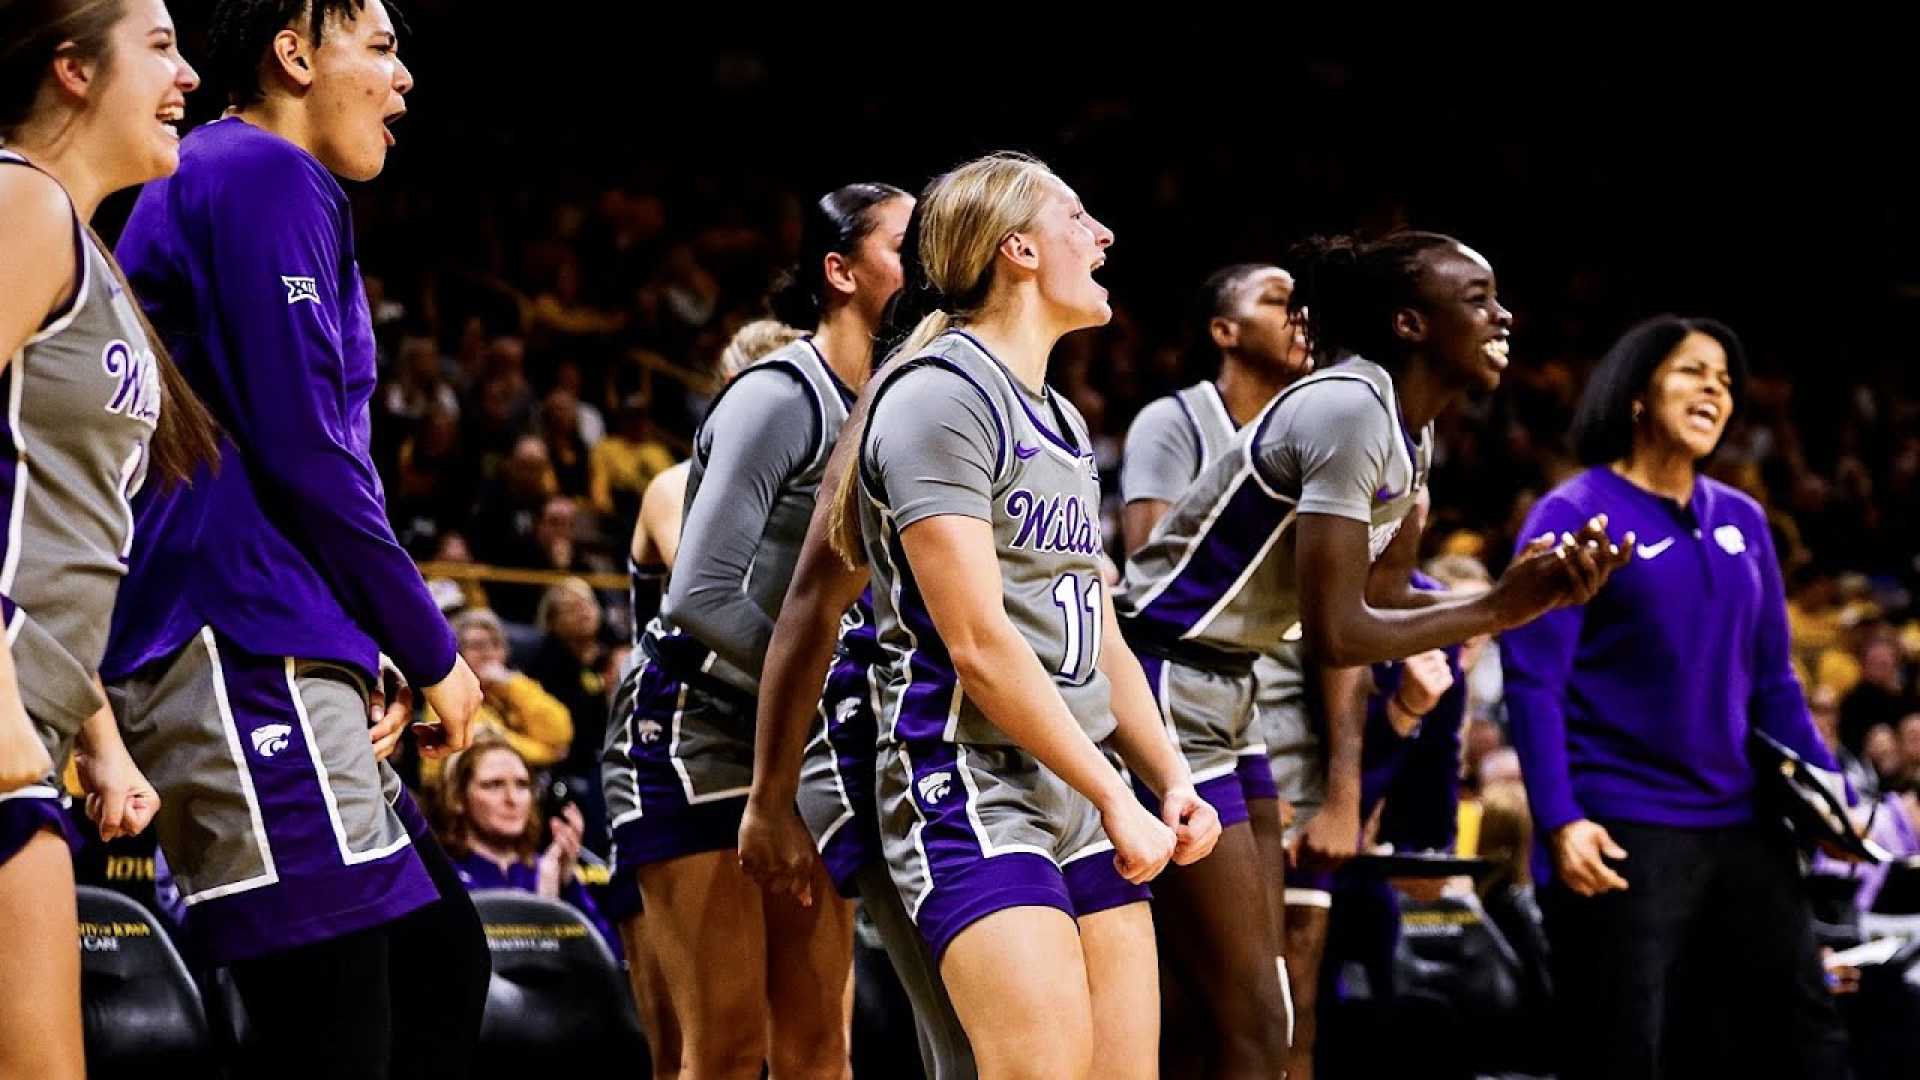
x=913 y=639
x=1232 y=592
x=1309 y=898
x=1048 y=444
x=348 y=856
x=17 y=514
x=270 y=875
x=1212 y=395
x=14 y=624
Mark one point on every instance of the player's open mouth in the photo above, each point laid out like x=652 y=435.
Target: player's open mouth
x=1496 y=352
x=170 y=118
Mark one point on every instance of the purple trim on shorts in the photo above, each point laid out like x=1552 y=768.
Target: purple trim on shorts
x=852 y=848
x=1096 y=885
x=1317 y=880
x=854 y=743
x=1256 y=777
x=411 y=816
x=318 y=896
x=669 y=832
x=22 y=817
x=1223 y=793
x=619 y=899
x=969 y=891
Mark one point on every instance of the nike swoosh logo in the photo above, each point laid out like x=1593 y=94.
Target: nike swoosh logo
x=1654 y=551
x=1024 y=452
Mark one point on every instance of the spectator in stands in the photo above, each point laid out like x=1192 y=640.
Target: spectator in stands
x=455 y=595
x=1907 y=736
x=514 y=707
x=1881 y=696
x=621 y=465
x=573 y=664
x=1881 y=749
x=1506 y=840
x=592 y=424
x=491 y=828
x=433 y=482
x=419 y=384
x=566 y=447
x=502 y=527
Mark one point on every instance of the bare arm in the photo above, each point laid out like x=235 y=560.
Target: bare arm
x=1345 y=630
x=1137 y=520
x=950 y=555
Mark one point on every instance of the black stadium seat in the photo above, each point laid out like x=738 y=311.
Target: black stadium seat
x=143 y=1014
x=557 y=996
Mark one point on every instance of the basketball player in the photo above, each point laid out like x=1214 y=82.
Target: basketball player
x=1283 y=529
x=88 y=96
x=1020 y=852
x=1242 y=324
x=246 y=645
x=752 y=979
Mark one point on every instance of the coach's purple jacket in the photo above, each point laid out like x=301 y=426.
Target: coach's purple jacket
x=1637 y=706
x=244 y=260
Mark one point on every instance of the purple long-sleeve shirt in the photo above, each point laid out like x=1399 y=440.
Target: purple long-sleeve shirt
x=1637 y=706
x=245 y=262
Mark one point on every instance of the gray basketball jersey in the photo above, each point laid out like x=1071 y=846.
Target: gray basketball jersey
x=1213 y=425
x=1218 y=572
x=786 y=522
x=955 y=433
x=82 y=400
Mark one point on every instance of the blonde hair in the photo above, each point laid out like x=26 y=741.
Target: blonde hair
x=753 y=341
x=961 y=219
x=1506 y=834
x=549 y=600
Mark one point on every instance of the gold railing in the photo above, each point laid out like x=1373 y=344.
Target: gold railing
x=506 y=575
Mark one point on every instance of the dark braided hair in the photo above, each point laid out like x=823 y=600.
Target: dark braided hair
x=1349 y=288
x=241 y=30
x=835 y=225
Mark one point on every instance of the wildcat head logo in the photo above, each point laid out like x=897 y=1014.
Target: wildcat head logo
x=650 y=731
x=1731 y=539
x=270 y=739
x=844 y=711
x=934 y=786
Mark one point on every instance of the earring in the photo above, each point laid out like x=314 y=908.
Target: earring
x=1637 y=410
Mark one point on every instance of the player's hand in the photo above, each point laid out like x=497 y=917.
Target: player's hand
x=1195 y=824
x=1329 y=839
x=777 y=852
x=1142 y=843
x=388 y=713
x=120 y=801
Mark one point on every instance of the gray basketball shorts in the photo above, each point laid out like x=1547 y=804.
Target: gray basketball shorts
x=969 y=830
x=279 y=826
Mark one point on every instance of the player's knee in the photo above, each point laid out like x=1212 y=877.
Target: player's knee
x=1062 y=1047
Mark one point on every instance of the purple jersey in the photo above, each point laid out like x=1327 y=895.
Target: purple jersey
x=245 y=262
